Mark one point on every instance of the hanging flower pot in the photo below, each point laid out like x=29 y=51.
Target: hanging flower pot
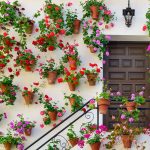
x=7 y=146
x=94 y=12
x=52 y=77
x=92 y=78
x=103 y=105
x=91 y=49
x=131 y=106
x=74 y=142
x=28 y=131
x=72 y=86
x=72 y=101
x=3 y=88
x=95 y=146
x=28 y=68
x=52 y=115
x=127 y=141
x=72 y=63
x=76 y=26
x=30 y=26
x=28 y=97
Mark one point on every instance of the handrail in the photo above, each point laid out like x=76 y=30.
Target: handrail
x=63 y=129
x=58 y=125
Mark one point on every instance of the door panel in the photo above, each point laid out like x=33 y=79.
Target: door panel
x=126 y=71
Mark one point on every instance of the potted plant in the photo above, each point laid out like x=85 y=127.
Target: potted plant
x=8 y=12
x=4 y=59
x=8 y=94
x=134 y=101
x=72 y=78
x=26 y=60
x=50 y=71
x=76 y=101
x=72 y=23
x=28 y=95
x=53 y=145
x=73 y=138
x=95 y=39
x=94 y=138
x=22 y=126
x=71 y=56
x=8 y=140
x=51 y=110
x=55 y=12
x=5 y=83
x=46 y=41
x=92 y=75
x=97 y=9
x=7 y=43
x=89 y=127
x=103 y=100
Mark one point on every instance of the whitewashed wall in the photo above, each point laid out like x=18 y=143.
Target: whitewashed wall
x=119 y=32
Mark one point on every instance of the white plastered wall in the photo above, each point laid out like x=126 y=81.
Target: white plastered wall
x=119 y=32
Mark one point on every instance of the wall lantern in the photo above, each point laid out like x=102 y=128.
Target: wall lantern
x=128 y=14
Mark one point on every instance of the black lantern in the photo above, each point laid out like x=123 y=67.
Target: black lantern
x=128 y=14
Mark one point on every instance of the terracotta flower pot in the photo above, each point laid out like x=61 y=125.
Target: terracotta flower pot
x=28 y=98
x=28 y=131
x=72 y=63
x=131 y=106
x=73 y=142
x=94 y=12
x=91 y=49
x=3 y=88
x=76 y=25
x=7 y=146
x=95 y=146
x=28 y=68
x=103 y=105
x=72 y=101
x=52 y=77
x=29 y=29
x=52 y=115
x=127 y=141
x=92 y=78
x=72 y=86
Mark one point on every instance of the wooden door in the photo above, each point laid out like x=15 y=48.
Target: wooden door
x=126 y=71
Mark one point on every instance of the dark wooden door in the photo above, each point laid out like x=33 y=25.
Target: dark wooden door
x=126 y=71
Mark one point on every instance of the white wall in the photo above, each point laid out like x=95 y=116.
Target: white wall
x=56 y=91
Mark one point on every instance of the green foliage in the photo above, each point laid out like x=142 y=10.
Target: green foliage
x=139 y=100
x=87 y=12
x=78 y=101
x=105 y=94
x=90 y=39
x=54 y=12
x=148 y=20
x=71 y=133
x=10 y=139
x=53 y=145
x=51 y=66
x=6 y=80
x=1 y=117
x=70 y=18
x=26 y=59
x=6 y=43
x=96 y=138
x=9 y=96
